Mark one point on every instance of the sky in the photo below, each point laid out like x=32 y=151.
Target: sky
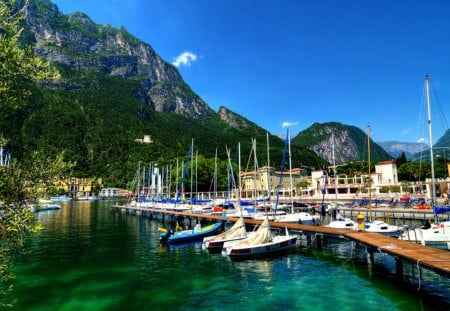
x=297 y=62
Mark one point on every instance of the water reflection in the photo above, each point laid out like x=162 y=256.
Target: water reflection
x=90 y=257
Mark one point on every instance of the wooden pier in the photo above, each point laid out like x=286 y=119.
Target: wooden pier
x=423 y=256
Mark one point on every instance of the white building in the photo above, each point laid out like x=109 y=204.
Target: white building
x=347 y=186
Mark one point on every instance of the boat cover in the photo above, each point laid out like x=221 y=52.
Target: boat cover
x=441 y=209
x=261 y=236
x=236 y=231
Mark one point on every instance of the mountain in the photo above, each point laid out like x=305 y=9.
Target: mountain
x=76 y=41
x=444 y=141
x=350 y=143
x=440 y=149
x=113 y=90
x=395 y=148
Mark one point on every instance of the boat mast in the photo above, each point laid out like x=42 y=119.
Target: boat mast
x=370 y=177
x=290 y=170
x=281 y=174
x=239 y=180
x=215 y=176
x=334 y=170
x=433 y=187
x=255 y=175
x=192 y=170
x=269 y=172
x=196 y=172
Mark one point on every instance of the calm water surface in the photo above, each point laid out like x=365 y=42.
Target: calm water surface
x=90 y=257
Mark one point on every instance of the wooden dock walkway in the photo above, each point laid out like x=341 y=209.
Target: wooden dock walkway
x=434 y=259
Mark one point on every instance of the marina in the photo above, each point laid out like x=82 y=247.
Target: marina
x=92 y=256
x=425 y=257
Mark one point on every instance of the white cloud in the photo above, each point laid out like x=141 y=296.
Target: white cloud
x=184 y=59
x=422 y=140
x=289 y=124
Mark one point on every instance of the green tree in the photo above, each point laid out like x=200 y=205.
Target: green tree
x=401 y=159
x=413 y=171
x=19 y=67
x=20 y=182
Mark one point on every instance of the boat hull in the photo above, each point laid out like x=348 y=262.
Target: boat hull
x=275 y=248
x=437 y=235
x=215 y=247
x=192 y=235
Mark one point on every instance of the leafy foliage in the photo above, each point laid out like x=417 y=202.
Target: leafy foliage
x=20 y=182
x=19 y=67
x=95 y=120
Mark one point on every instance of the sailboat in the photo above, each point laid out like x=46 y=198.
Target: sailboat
x=214 y=244
x=340 y=222
x=196 y=234
x=263 y=242
x=293 y=217
x=378 y=226
x=436 y=234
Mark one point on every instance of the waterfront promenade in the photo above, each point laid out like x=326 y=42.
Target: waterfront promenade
x=423 y=256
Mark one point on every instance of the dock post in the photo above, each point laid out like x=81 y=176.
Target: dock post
x=319 y=240
x=398 y=267
x=308 y=240
x=224 y=220
x=370 y=256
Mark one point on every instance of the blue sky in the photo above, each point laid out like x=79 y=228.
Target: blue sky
x=358 y=62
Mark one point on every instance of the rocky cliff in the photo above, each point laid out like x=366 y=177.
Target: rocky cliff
x=350 y=143
x=74 y=40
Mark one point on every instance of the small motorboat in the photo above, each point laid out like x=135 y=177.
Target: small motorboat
x=379 y=226
x=196 y=234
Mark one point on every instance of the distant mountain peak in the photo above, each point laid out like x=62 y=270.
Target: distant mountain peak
x=350 y=143
x=396 y=148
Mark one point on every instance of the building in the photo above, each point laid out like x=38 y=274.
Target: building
x=346 y=186
x=386 y=173
x=106 y=193
x=256 y=184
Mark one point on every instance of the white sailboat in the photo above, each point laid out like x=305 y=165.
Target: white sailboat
x=438 y=233
x=294 y=217
x=378 y=226
x=263 y=242
x=214 y=244
x=340 y=222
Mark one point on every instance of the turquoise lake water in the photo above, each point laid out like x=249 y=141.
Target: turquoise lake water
x=92 y=257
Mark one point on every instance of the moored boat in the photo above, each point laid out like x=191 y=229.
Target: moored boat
x=434 y=235
x=193 y=235
x=382 y=227
x=60 y=198
x=343 y=223
x=214 y=244
x=262 y=243
x=46 y=207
